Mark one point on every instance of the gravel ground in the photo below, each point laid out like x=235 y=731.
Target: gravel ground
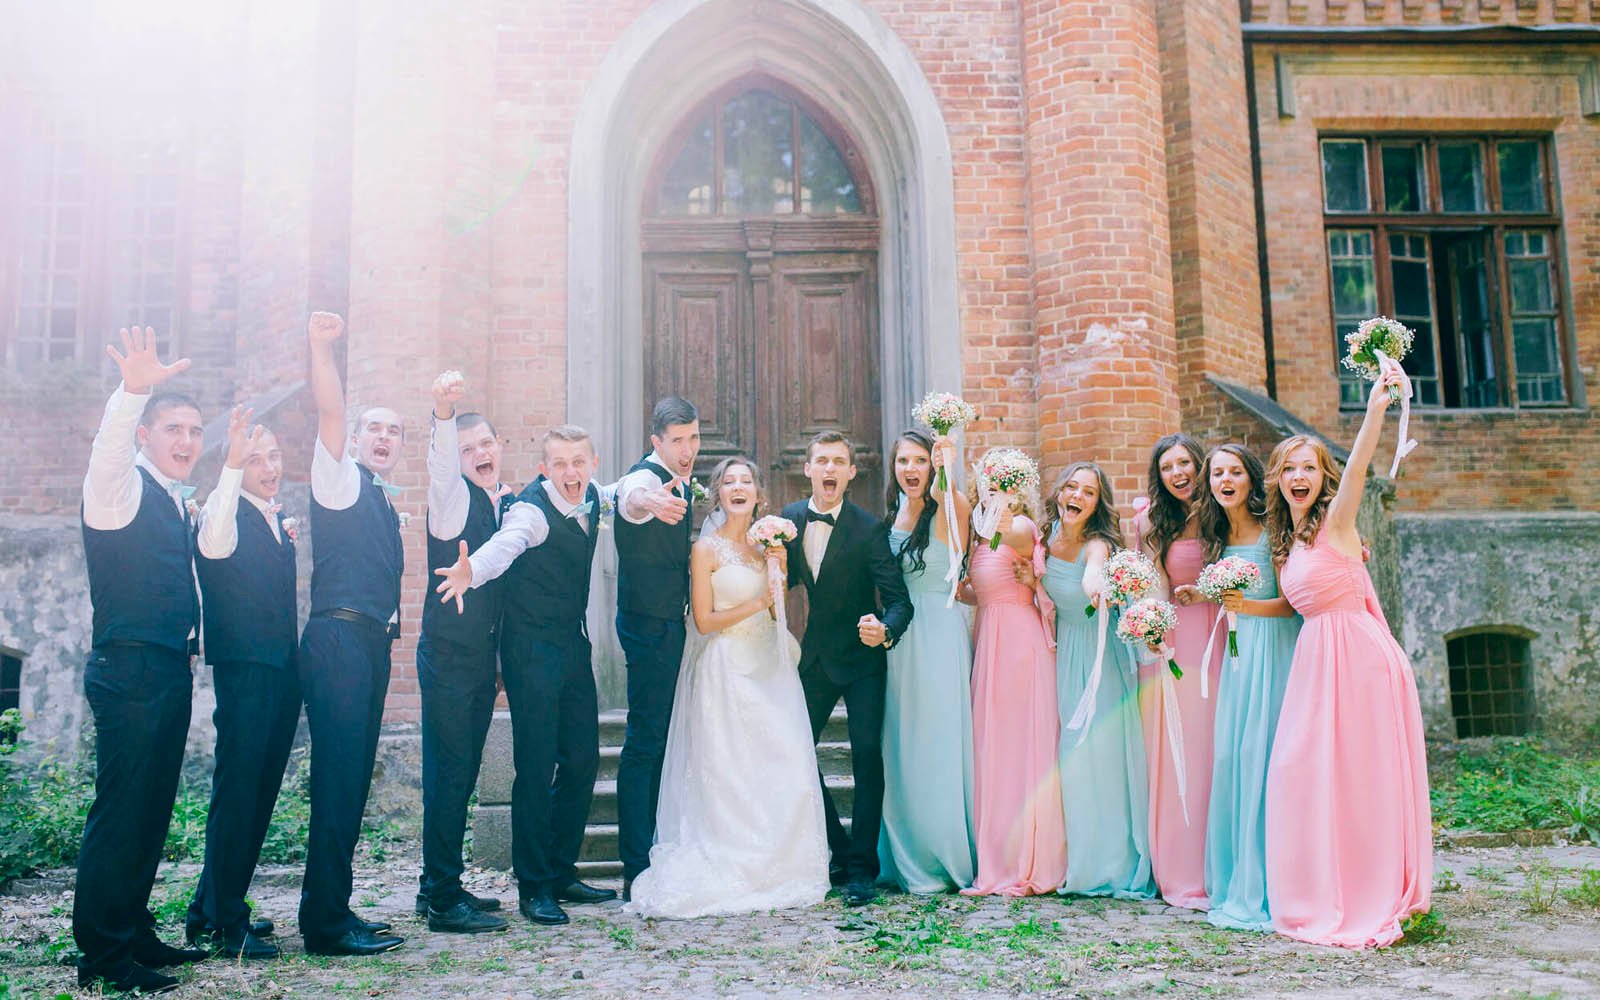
x=1511 y=922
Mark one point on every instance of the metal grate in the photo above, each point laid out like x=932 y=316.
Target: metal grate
x=10 y=686
x=1491 y=685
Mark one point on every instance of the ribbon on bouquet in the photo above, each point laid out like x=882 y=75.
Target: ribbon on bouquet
x=780 y=609
x=986 y=518
x=1405 y=445
x=1083 y=715
x=1232 y=618
x=952 y=576
x=1174 y=724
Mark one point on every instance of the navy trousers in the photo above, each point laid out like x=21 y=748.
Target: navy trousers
x=555 y=734
x=458 y=691
x=654 y=649
x=139 y=696
x=344 y=675
x=257 y=713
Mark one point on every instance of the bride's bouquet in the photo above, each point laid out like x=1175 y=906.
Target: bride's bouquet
x=770 y=534
x=944 y=412
x=1231 y=573
x=1148 y=623
x=1003 y=472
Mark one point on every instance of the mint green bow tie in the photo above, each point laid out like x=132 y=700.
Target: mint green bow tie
x=582 y=508
x=181 y=491
x=386 y=486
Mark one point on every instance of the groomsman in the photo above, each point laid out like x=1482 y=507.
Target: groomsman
x=851 y=622
x=653 y=541
x=546 y=551
x=138 y=542
x=344 y=651
x=457 y=660
x=247 y=578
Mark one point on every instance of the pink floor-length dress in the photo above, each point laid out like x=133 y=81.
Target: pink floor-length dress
x=1021 y=832
x=1178 y=845
x=1349 y=836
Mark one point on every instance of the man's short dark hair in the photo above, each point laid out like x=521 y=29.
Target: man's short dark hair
x=160 y=402
x=672 y=411
x=831 y=437
x=470 y=419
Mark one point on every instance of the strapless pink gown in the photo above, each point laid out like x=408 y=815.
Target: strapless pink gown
x=1021 y=831
x=1349 y=835
x=1178 y=846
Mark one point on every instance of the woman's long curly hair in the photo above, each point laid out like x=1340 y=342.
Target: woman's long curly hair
x=921 y=532
x=1280 y=519
x=1102 y=524
x=1167 y=515
x=1214 y=525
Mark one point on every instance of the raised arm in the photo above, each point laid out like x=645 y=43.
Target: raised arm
x=219 y=524
x=111 y=487
x=944 y=456
x=327 y=389
x=448 y=496
x=1341 y=523
x=1096 y=552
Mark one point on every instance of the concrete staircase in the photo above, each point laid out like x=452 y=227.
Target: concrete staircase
x=491 y=837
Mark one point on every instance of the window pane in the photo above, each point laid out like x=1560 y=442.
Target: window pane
x=758 y=155
x=1469 y=291
x=1530 y=286
x=1411 y=274
x=686 y=189
x=1536 y=346
x=1355 y=297
x=826 y=186
x=1461 y=176
x=1344 y=175
x=1521 y=176
x=1404 y=189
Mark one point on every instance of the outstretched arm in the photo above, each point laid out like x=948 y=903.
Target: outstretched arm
x=523 y=528
x=1341 y=523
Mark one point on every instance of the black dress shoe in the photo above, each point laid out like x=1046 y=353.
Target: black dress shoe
x=262 y=928
x=205 y=934
x=543 y=909
x=244 y=944
x=464 y=918
x=154 y=954
x=362 y=942
x=836 y=875
x=860 y=892
x=581 y=892
x=376 y=926
x=627 y=890
x=134 y=977
x=483 y=904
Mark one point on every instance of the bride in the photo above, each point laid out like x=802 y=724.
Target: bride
x=739 y=827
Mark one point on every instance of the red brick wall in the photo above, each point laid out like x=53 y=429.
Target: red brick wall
x=1465 y=456
x=1385 y=12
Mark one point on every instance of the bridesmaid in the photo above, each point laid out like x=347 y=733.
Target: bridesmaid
x=1231 y=524
x=927 y=841
x=1022 y=839
x=1103 y=785
x=1349 y=841
x=1170 y=534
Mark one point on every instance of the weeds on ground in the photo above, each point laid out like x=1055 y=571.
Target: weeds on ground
x=1587 y=892
x=1424 y=928
x=1517 y=784
x=1540 y=892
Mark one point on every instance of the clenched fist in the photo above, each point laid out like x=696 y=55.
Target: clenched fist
x=324 y=327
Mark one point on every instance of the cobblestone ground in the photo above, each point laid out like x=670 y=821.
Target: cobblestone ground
x=1511 y=922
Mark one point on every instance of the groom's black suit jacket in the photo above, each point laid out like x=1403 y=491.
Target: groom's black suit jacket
x=859 y=577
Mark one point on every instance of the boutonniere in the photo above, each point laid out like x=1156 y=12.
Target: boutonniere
x=291 y=527
x=405 y=519
x=607 y=509
x=697 y=492
x=190 y=505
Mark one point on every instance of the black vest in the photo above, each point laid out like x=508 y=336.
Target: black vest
x=476 y=625
x=141 y=577
x=547 y=587
x=653 y=561
x=250 y=608
x=356 y=554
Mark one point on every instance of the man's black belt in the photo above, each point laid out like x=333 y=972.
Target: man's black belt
x=392 y=629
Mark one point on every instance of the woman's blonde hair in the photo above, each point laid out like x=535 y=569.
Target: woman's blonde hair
x=1280 y=519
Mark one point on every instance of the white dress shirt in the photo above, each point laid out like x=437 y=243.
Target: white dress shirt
x=817 y=535
x=525 y=527
x=219 y=524
x=449 y=494
x=643 y=479
x=113 y=488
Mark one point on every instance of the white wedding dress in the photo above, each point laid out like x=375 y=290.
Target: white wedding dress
x=739 y=826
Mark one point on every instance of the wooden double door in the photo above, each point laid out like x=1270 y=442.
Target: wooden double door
x=770 y=327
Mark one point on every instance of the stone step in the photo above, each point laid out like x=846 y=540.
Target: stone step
x=604 y=808
x=614 y=726
x=832 y=757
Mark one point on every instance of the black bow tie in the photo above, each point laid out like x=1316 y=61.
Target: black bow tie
x=813 y=515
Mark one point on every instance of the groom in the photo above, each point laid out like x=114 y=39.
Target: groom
x=859 y=608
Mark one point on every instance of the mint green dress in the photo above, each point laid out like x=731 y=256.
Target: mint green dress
x=1248 y=701
x=926 y=844
x=1103 y=781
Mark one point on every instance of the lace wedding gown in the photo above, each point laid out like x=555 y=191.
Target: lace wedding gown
x=739 y=828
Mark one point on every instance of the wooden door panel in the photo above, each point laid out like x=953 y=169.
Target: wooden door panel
x=697 y=345
x=822 y=363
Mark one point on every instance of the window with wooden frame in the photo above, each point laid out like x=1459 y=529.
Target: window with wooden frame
x=1456 y=236
x=94 y=240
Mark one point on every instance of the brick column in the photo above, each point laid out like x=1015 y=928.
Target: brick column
x=1097 y=197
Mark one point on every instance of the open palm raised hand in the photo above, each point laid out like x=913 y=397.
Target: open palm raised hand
x=141 y=368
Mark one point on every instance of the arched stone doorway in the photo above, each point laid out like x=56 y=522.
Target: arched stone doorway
x=760 y=283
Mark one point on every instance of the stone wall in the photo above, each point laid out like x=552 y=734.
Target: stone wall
x=1522 y=571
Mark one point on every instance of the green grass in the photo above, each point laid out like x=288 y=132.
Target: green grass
x=1586 y=893
x=1516 y=784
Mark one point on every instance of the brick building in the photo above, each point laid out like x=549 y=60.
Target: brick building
x=1100 y=221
